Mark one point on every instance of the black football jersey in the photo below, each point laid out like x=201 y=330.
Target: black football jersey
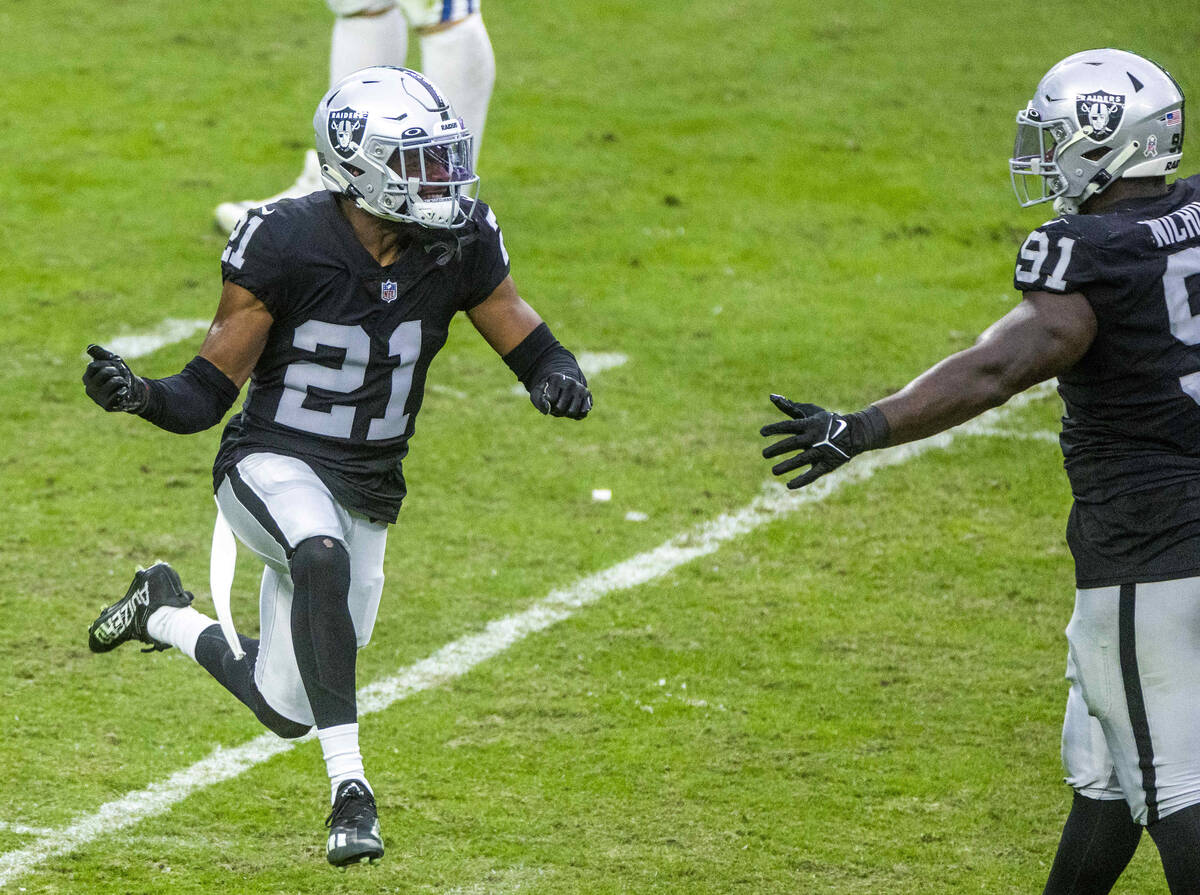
x=1131 y=434
x=341 y=378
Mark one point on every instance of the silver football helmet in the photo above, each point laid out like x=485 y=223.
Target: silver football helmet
x=388 y=139
x=1096 y=116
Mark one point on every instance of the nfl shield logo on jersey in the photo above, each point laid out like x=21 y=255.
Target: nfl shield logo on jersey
x=389 y=291
x=1101 y=112
x=346 y=128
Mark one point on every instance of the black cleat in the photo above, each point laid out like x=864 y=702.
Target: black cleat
x=125 y=619
x=353 y=826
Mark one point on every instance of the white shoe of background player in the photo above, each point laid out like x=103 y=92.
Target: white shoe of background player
x=309 y=181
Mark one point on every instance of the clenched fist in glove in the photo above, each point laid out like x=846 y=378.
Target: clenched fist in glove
x=111 y=384
x=560 y=394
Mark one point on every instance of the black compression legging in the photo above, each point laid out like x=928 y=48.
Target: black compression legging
x=237 y=676
x=323 y=631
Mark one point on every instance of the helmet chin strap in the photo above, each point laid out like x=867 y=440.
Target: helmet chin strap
x=1063 y=205
x=1102 y=180
x=352 y=192
x=340 y=179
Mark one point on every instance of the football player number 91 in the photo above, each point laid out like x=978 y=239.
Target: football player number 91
x=1185 y=324
x=338 y=421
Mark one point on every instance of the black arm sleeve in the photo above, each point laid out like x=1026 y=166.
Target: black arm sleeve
x=192 y=400
x=539 y=355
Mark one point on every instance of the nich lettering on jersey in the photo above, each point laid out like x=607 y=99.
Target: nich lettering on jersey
x=1177 y=226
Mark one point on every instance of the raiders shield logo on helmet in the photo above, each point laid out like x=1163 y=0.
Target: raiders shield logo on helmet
x=1101 y=112
x=346 y=128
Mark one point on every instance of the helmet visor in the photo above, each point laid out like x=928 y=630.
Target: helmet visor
x=438 y=169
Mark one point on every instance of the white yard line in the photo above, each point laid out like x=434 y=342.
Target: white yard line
x=1031 y=435
x=456 y=659
x=22 y=829
x=594 y=362
x=446 y=390
x=170 y=331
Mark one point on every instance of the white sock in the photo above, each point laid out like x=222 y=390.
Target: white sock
x=460 y=61
x=363 y=41
x=180 y=626
x=343 y=760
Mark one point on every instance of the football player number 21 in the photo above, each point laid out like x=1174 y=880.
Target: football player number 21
x=1182 y=267
x=338 y=420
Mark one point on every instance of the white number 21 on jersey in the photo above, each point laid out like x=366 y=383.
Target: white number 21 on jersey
x=338 y=420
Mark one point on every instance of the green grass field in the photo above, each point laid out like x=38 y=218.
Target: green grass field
x=863 y=696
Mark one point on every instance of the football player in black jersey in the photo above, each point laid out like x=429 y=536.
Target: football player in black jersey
x=1110 y=301
x=333 y=306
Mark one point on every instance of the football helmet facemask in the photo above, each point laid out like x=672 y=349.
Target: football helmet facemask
x=388 y=139
x=1096 y=116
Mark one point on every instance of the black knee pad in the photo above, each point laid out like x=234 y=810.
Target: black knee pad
x=323 y=630
x=321 y=565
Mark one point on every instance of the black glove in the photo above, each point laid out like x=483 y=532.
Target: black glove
x=825 y=439
x=111 y=384
x=560 y=395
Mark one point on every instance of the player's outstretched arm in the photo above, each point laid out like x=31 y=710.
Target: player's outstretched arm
x=518 y=334
x=199 y=396
x=1040 y=338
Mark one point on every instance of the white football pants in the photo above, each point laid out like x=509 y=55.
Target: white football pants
x=1132 y=725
